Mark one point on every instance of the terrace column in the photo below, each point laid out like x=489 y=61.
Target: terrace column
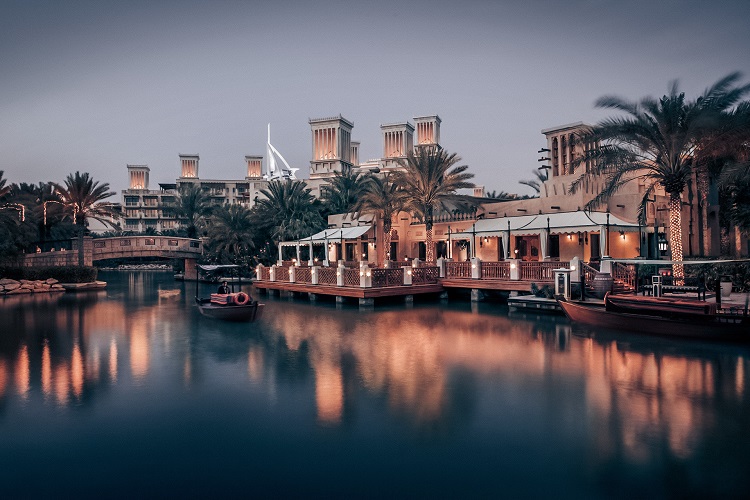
x=298 y=258
x=603 y=241
x=280 y=261
x=515 y=270
x=544 y=247
x=506 y=241
x=310 y=260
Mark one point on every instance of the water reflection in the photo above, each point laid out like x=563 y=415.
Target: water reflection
x=442 y=370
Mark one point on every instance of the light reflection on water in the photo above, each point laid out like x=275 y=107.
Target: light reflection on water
x=438 y=399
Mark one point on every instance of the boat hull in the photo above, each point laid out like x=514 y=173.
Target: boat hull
x=712 y=327
x=246 y=313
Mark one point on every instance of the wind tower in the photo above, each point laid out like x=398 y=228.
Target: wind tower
x=428 y=131
x=189 y=166
x=331 y=149
x=138 y=175
x=254 y=167
x=398 y=141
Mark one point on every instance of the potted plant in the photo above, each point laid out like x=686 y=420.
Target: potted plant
x=726 y=286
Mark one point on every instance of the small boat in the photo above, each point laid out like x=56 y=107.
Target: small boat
x=228 y=306
x=662 y=316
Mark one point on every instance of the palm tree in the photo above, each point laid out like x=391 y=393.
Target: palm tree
x=289 y=210
x=656 y=141
x=430 y=179
x=4 y=190
x=541 y=176
x=383 y=199
x=191 y=206
x=343 y=191
x=84 y=196
x=231 y=234
x=724 y=149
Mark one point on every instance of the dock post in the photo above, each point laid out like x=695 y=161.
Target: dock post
x=340 y=299
x=366 y=303
x=515 y=269
x=314 y=275
x=441 y=267
x=409 y=300
x=407 y=275
x=272 y=273
x=292 y=273
x=340 y=274
x=476 y=268
x=476 y=295
x=443 y=295
x=313 y=297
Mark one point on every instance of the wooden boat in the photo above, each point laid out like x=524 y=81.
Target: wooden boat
x=662 y=316
x=231 y=311
x=228 y=306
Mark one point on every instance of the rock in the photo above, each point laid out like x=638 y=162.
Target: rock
x=51 y=281
x=9 y=287
x=8 y=281
x=18 y=291
x=57 y=286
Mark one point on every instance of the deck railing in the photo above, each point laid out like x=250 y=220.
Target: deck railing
x=540 y=271
x=624 y=273
x=327 y=276
x=423 y=275
x=303 y=275
x=458 y=269
x=387 y=277
x=495 y=270
x=588 y=273
x=351 y=277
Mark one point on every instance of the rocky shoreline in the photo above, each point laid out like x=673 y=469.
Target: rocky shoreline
x=18 y=287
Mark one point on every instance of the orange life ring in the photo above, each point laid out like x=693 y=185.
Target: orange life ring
x=241 y=299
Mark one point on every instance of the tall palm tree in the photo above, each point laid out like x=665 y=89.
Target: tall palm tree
x=656 y=141
x=430 y=179
x=383 y=199
x=230 y=233
x=191 y=206
x=725 y=148
x=288 y=210
x=84 y=198
x=342 y=192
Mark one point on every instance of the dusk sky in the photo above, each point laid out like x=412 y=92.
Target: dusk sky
x=96 y=85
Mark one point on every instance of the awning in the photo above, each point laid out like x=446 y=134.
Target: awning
x=330 y=235
x=558 y=223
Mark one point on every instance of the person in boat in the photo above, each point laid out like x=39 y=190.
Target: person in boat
x=223 y=288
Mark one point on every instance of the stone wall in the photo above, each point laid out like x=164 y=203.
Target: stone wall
x=59 y=257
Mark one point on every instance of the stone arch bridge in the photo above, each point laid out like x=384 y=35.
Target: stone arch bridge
x=121 y=247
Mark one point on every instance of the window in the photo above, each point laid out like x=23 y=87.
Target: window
x=149 y=241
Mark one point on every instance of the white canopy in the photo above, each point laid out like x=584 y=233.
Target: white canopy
x=330 y=235
x=558 y=223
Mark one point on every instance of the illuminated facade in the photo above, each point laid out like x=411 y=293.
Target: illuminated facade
x=143 y=207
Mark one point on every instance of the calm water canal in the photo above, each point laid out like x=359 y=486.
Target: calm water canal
x=130 y=391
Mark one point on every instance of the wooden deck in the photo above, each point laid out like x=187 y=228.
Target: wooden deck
x=350 y=291
x=486 y=284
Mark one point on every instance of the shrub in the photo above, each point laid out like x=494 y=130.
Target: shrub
x=63 y=274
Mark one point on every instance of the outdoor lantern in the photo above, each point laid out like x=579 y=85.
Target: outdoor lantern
x=663 y=244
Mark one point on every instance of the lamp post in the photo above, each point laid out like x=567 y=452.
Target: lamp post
x=450 y=245
x=474 y=240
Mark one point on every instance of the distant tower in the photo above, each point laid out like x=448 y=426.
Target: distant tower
x=563 y=147
x=189 y=164
x=138 y=175
x=331 y=149
x=398 y=139
x=428 y=130
x=354 y=155
x=254 y=167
